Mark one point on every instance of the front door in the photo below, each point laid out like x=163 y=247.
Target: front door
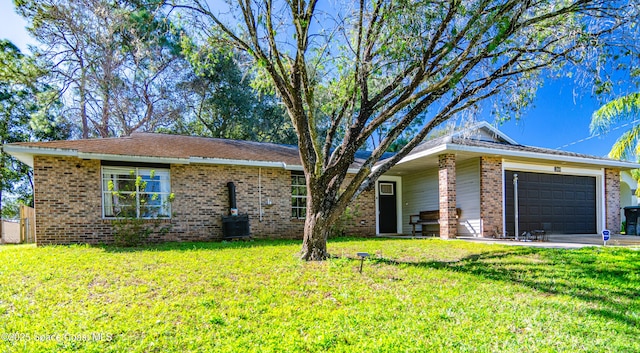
x=387 y=207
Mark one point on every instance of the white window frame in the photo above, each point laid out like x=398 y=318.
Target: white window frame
x=381 y=186
x=297 y=210
x=137 y=171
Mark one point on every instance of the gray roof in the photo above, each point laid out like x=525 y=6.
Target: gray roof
x=500 y=146
x=458 y=142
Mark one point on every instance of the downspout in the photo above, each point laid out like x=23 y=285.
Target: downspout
x=260 y=194
x=515 y=204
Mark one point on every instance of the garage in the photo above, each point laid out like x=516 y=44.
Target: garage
x=563 y=204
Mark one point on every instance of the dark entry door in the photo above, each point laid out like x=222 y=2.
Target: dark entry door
x=387 y=207
x=565 y=204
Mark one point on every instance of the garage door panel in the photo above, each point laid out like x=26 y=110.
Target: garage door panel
x=545 y=194
x=567 y=202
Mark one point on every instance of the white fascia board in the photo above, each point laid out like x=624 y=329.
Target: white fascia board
x=425 y=153
x=299 y=168
x=550 y=168
x=294 y=168
x=40 y=151
x=544 y=156
x=25 y=153
x=249 y=163
x=130 y=158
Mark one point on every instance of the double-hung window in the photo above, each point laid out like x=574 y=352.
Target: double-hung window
x=298 y=196
x=132 y=192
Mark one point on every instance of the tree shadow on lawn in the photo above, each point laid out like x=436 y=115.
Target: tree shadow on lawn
x=606 y=278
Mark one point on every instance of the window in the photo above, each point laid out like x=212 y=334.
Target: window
x=298 y=196
x=136 y=192
x=386 y=188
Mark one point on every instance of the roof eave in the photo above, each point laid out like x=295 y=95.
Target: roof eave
x=26 y=153
x=543 y=156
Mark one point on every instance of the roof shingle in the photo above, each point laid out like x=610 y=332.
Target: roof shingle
x=177 y=146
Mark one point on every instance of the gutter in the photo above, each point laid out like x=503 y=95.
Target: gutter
x=40 y=151
x=242 y=162
x=130 y=158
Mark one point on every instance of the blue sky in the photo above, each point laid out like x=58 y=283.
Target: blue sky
x=558 y=118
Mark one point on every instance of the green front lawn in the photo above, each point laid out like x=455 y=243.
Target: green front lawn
x=413 y=296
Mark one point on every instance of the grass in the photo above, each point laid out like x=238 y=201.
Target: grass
x=413 y=296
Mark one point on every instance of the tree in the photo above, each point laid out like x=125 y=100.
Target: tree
x=622 y=108
x=220 y=101
x=390 y=63
x=615 y=111
x=113 y=60
x=27 y=113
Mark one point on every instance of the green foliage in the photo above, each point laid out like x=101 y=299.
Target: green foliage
x=129 y=230
x=28 y=112
x=339 y=228
x=223 y=103
x=628 y=144
x=10 y=208
x=412 y=296
x=620 y=109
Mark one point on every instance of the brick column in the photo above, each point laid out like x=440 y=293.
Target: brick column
x=491 y=196
x=447 y=196
x=612 y=200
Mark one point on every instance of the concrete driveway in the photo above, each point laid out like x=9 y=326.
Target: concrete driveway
x=567 y=241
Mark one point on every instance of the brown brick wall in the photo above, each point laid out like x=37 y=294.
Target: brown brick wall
x=67 y=201
x=69 y=210
x=612 y=197
x=491 y=196
x=447 y=196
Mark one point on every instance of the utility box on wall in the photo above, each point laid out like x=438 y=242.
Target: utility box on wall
x=235 y=227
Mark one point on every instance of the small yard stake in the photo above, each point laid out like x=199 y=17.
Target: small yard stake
x=605 y=236
x=362 y=256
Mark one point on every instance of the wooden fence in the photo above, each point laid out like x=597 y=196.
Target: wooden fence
x=27 y=224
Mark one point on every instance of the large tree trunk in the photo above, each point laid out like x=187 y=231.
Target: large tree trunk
x=316 y=233
x=83 y=107
x=322 y=212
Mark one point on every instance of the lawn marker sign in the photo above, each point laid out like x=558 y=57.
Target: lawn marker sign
x=605 y=236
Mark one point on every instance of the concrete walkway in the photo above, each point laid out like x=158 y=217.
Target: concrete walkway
x=566 y=241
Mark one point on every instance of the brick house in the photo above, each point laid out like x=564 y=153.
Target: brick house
x=471 y=170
